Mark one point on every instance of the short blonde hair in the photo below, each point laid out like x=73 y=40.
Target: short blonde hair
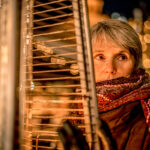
x=121 y=33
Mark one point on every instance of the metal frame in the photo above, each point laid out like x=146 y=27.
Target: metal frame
x=85 y=63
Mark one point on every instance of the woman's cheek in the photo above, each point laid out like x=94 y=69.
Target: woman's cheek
x=97 y=65
x=125 y=68
x=98 y=68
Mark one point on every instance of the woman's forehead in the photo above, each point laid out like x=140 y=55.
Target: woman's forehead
x=104 y=41
x=102 y=38
x=108 y=45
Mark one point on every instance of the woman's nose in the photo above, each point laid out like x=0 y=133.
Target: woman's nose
x=111 y=67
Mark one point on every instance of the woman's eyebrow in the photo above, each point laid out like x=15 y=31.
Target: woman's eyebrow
x=98 y=50
x=124 y=51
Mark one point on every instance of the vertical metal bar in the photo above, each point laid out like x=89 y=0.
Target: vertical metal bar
x=81 y=64
x=29 y=64
x=94 y=102
x=26 y=51
x=24 y=46
x=9 y=81
x=83 y=39
x=3 y=76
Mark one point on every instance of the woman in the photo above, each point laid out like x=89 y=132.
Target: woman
x=123 y=87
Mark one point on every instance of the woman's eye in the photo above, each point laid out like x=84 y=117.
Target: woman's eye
x=122 y=57
x=100 y=57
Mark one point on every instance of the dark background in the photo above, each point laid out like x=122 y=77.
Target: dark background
x=125 y=7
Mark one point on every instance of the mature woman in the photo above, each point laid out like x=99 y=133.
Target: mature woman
x=123 y=87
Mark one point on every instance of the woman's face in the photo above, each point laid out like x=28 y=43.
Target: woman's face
x=111 y=61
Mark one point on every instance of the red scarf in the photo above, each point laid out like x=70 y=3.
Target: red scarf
x=116 y=92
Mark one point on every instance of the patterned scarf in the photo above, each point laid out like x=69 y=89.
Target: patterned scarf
x=116 y=92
